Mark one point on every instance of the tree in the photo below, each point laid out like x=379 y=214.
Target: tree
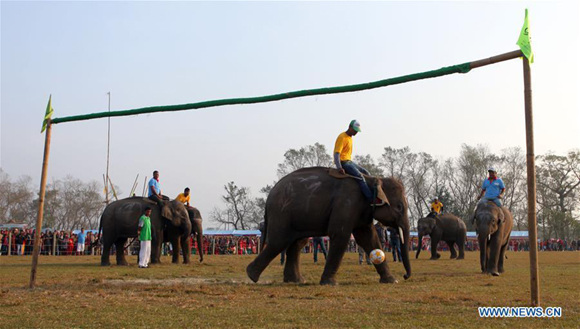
x=16 y=199
x=367 y=162
x=465 y=176
x=558 y=181
x=241 y=211
x=72 y=204
x=307 y=156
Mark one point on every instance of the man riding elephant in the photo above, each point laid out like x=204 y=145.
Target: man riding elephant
x=344 y=164
x=493 y=188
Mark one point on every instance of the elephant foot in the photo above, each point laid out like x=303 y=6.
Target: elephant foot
x=252 y=274
x=186 y=262
x=328 y=281
x=495 y=273
x=453 y=256
x=293 y=279
x=501 y=270
x=105 y=263
x=201 y=260
x=460 y=258
x=122 y=263
x=388 y=279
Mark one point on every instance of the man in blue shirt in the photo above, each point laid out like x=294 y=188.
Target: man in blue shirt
x=81 y=242
x=493 y=188
x=155 y=189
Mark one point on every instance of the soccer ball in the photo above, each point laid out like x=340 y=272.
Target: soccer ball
x=377 y=256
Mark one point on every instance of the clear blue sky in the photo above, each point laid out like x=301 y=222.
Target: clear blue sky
x=158 y=53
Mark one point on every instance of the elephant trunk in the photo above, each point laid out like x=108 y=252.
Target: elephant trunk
x=406 y=242
x=419 y=245
x=483 y=251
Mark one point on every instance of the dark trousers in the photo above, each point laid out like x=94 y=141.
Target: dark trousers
x=353 y=169
x=315 y=244
x=156 y=199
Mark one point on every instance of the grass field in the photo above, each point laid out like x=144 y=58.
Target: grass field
x=77 y=292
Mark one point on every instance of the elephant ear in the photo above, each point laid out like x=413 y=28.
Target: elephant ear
x=501 y=217
x=438 y=221
x=167 y=212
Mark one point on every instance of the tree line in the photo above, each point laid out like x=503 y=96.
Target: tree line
x=455 y=181
x=71 y=203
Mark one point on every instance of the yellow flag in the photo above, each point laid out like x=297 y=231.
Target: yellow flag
x=525 y=42
x=49 y=111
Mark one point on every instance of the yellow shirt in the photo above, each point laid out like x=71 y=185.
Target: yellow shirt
x=436 y=206
x=343 y=146
x=182 y=198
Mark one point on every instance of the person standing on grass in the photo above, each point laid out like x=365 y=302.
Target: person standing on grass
x=81 y=242
x=316 y=242
x=144 y=233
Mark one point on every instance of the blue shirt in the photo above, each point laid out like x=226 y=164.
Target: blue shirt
x=81 y=238
x=492 y=189
x=153 y=182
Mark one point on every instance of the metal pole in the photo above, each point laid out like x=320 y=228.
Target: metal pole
x=36 y=249
x=532 y=223
x=108 y=146
x=9 y=243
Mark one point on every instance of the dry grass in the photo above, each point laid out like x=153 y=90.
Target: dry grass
x=77 y=292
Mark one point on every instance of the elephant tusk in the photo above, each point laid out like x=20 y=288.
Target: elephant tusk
x=401 y=235
x=488 y=237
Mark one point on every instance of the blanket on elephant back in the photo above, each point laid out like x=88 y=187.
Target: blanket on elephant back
x=372 y=182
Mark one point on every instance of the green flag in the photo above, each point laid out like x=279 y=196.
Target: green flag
x=48 y=114
x=525 y=41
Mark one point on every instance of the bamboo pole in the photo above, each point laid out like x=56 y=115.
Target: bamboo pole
x=36 y=249
x=531 y=168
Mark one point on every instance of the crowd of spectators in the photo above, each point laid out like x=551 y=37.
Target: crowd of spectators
x=65 y=243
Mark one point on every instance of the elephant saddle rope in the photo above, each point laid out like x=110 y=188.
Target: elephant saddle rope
x=376 y=183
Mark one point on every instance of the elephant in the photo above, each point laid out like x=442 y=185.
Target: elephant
x=446 y=227
x=493 y=226
x=175 y=236
x=309 y=202
x=120 y=219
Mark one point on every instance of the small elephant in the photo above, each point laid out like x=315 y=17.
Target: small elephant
x=120 y=219
x=493 y=225
x=446 y=227
x=175 y=235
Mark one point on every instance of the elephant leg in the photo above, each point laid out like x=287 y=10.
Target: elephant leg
x=501 y=258
x=185 y=248
x=175 y=246
x=461 y=249
x=120 y=245
x=270 y=251
x=156 y=247
x=434 y=253
x=292 y=266
x=338 y=245
x=107 y=244
x=451 y=245
x=367 y=238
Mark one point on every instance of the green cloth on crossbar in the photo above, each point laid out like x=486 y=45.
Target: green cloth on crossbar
x=461 y=68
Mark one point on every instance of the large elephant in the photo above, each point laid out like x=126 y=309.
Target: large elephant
x=446 y=227
x=309 y=202
x=494 y=226
x=177 y=237
x=121 y=218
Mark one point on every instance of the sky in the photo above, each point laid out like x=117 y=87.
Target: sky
x=166 y=53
